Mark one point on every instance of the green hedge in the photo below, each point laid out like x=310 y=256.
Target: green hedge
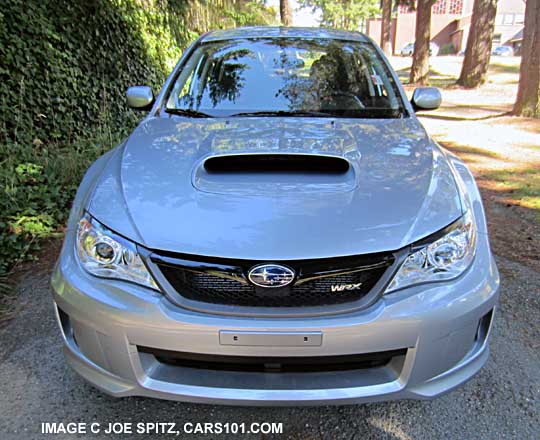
x=64 y=68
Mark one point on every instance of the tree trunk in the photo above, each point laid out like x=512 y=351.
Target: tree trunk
x=285 y=12
x=528 y=97
x=478 y=51
x=420 y=65
x=386 y=27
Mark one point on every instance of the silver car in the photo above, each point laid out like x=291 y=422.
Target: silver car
x=503 y=51
x=408 y=50
x=278 y=230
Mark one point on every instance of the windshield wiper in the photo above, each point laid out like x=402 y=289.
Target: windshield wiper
x=284 y=113
x=187 y=112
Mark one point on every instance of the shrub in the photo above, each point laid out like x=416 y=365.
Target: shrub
x=447 y=49
x=39 y=181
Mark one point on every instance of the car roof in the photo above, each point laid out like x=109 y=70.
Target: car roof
x=283 y=32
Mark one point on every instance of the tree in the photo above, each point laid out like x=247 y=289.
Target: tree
x=528 y=97
x=478 y=51
x=343 y=14
x=386 y=27
x=285 y=12
x=202 y=15
x=422 y=35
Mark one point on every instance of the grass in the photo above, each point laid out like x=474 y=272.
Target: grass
x=521 y=185
x=496 y=67
x=436 y=78
x=444 y=70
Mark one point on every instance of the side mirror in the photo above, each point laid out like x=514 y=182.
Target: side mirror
x=426 y=98
x=140 y=97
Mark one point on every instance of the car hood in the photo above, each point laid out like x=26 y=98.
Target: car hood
x=154 y=190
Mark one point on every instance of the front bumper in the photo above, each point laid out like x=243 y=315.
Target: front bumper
x=105 y=322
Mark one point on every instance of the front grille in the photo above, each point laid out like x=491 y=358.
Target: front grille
x=318 y=282
x=274 y=364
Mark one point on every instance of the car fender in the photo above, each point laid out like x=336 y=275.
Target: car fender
x=468 y=189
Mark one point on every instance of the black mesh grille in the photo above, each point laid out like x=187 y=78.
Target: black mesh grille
x=315 y=289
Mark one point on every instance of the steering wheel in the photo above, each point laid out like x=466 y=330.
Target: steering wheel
x=349 y=95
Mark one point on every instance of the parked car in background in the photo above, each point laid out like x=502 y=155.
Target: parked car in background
x=503 y=51
x=279 y=230
x=408 y=50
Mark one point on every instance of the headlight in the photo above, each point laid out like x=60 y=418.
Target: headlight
x=105 y=254
x=444 y=259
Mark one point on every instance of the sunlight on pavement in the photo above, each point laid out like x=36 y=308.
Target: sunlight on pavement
x=388 y=427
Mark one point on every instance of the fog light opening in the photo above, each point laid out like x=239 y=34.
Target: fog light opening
x=483 y=327
x=64 y=322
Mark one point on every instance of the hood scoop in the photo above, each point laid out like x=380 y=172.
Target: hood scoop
x=276 y=164
x=267 y=172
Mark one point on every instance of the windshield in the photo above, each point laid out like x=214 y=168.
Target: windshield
x=282 y=76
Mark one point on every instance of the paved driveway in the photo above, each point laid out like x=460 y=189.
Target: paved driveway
x=501 y=402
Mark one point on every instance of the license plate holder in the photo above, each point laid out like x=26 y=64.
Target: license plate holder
x=270 y=339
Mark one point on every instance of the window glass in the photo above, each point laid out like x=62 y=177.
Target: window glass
x=508 y=19
x=332 y=77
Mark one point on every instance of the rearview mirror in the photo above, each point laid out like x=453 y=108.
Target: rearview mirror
x=140 y=97
x=426 y=98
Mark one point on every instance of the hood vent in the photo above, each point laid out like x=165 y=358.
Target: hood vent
x=271 y=174
x=276 y=164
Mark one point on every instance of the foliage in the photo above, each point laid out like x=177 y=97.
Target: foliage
x=447 y=49
x=343 y=14
x=64 y=68
x=203 y=15
x=39 y=181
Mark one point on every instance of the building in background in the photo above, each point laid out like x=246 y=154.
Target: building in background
x=450 y=24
